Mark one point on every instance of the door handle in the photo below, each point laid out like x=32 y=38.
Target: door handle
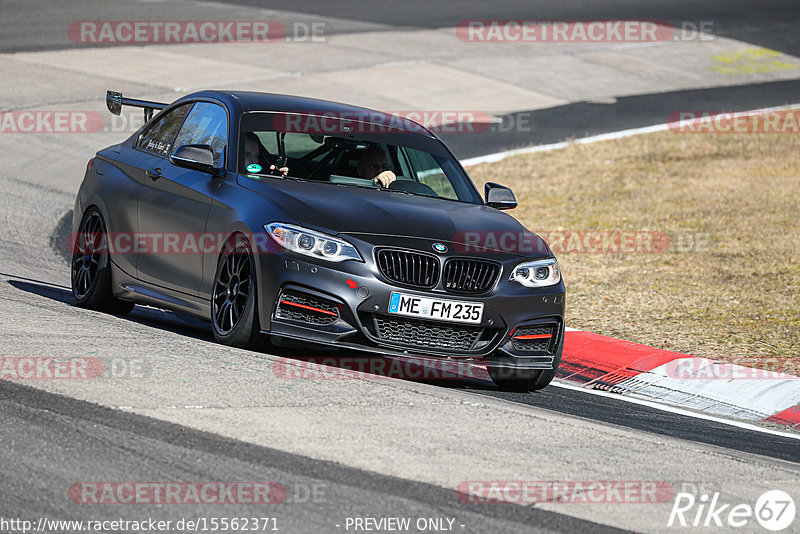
x=153 y=174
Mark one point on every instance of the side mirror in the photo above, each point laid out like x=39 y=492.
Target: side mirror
x=196 y=157
x=499 y=197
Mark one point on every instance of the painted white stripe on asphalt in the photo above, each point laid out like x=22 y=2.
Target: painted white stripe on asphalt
x=741 y=398
x=658 y=388
x=676 y=410
x=760 y=397
x=499 y=156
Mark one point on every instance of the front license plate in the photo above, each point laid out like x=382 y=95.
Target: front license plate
x=437 y=309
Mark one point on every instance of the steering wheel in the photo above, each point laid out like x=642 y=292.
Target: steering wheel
x=412 y=186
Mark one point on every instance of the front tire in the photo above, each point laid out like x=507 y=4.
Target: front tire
x=234 y=310
x=91 y=267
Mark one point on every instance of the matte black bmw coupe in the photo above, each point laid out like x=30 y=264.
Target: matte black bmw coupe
x=284 y=218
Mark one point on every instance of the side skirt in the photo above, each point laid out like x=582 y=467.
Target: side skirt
x=130 y=288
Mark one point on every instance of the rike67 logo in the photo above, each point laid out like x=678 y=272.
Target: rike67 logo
x=774 y=510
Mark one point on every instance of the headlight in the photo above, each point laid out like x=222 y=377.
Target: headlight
x=311 y=243
x=540 y=273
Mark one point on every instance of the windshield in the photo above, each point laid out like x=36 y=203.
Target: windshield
x=350 y=153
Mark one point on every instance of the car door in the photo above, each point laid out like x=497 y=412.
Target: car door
x=175 y=202
x=148 y=152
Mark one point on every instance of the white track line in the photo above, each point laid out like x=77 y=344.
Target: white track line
x=499 y=156
x=676 y=410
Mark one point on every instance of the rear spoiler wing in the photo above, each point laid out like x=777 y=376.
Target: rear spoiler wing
x=115 y=101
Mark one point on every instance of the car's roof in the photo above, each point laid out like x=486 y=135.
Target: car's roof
x=251 y=101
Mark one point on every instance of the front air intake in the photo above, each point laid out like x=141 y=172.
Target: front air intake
x=303 y=307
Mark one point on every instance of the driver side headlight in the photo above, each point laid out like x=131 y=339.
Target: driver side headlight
x=539 y=273
x=311 y=243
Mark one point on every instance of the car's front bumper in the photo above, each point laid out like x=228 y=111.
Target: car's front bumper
x=358 y=295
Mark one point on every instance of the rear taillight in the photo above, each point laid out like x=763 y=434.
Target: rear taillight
x=89 y=165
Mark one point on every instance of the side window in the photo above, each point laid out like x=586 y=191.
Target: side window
x=405 y=166
x=269 y=140
x=158 y=138
x=207 y=124
x=429 y=172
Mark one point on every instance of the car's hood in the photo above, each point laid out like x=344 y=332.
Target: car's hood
x=361 y=212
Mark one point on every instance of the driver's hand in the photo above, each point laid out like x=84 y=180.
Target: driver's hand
x=283 y=170
x=385 y=178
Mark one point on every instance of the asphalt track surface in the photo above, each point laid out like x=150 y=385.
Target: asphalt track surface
x=49 y=441
x=39 y=25
x=586 y=119
x=42 y=434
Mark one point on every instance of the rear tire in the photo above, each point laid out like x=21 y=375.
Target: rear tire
x=234 y=302
x=91 y=267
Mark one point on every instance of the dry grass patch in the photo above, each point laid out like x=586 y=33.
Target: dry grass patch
x=732 y=297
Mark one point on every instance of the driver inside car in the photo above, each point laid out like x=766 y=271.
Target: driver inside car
x=255 y=153
x=375 y=165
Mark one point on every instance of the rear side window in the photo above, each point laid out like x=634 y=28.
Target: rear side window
x=158 y=138
x=207 y=124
